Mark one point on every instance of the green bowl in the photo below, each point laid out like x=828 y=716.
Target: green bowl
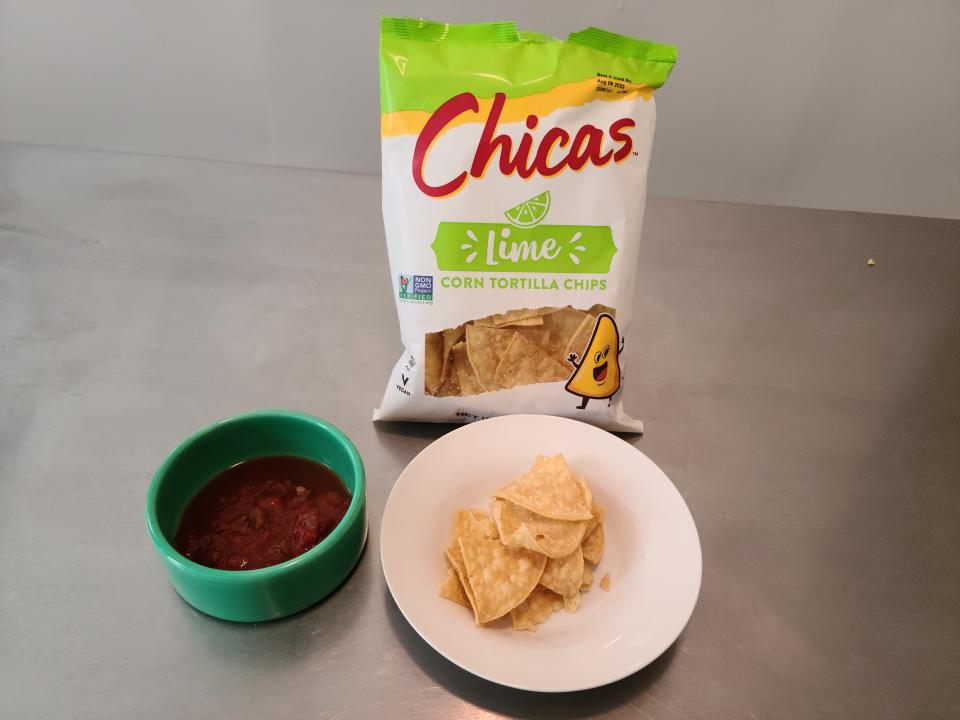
x=272 y=592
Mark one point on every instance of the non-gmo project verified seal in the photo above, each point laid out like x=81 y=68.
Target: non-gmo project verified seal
x=418 y=288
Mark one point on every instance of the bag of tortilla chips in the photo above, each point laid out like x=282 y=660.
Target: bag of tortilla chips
x=514 y=182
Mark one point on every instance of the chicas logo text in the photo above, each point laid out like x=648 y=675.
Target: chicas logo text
x=556 y=151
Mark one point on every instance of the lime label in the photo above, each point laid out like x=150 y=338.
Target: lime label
x=524 y=245
x=498 y=247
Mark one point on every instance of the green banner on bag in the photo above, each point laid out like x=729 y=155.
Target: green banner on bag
x=499 y=247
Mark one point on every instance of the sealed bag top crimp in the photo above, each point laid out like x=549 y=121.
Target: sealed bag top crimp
x=514 y=182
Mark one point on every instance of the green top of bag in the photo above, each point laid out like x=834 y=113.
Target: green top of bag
x=495 y=57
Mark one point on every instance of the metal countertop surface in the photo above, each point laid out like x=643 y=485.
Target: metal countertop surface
x=807 y=407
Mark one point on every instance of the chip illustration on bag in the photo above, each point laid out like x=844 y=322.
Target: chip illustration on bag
x=514 y=182
x=598 y=369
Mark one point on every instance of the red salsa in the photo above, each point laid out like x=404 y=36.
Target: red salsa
x=261 y=512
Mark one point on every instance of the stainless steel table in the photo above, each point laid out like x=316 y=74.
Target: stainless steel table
x=806 y=405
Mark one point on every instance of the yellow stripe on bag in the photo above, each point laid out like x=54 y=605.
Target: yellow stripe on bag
x=411 y=122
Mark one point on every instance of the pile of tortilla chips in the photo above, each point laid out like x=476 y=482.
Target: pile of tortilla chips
x=498 y=352
x=529 y=558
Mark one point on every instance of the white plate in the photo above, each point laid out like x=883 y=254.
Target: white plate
x=652 y=554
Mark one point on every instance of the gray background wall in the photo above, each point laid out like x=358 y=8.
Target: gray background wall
x=843 y=104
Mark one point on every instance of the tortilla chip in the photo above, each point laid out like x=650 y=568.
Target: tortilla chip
x=549 y=489
x=538 y=606
x=587 y=580
x=571 y=604
x=520 y=527
x=605 y=583
x=432 y=362
x=561 y=326
x=455 y=558
x=524 y=363
x=475 y=523
x=511 y=316
x=500 y=577
x=536 y=334
x=450 y=338
x=598 y=513
x=593 y=545
x=452 y=590
x=450 y=387
x=564 y=575
x=523 y=322
x=598 y=308
x=580 y=339
x=485 y=346
x=466 y=376
x=585 y=491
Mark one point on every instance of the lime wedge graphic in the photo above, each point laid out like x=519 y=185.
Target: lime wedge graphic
x=529 y=213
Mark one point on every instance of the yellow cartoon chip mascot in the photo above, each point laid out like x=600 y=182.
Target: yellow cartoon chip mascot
x=597 y=373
